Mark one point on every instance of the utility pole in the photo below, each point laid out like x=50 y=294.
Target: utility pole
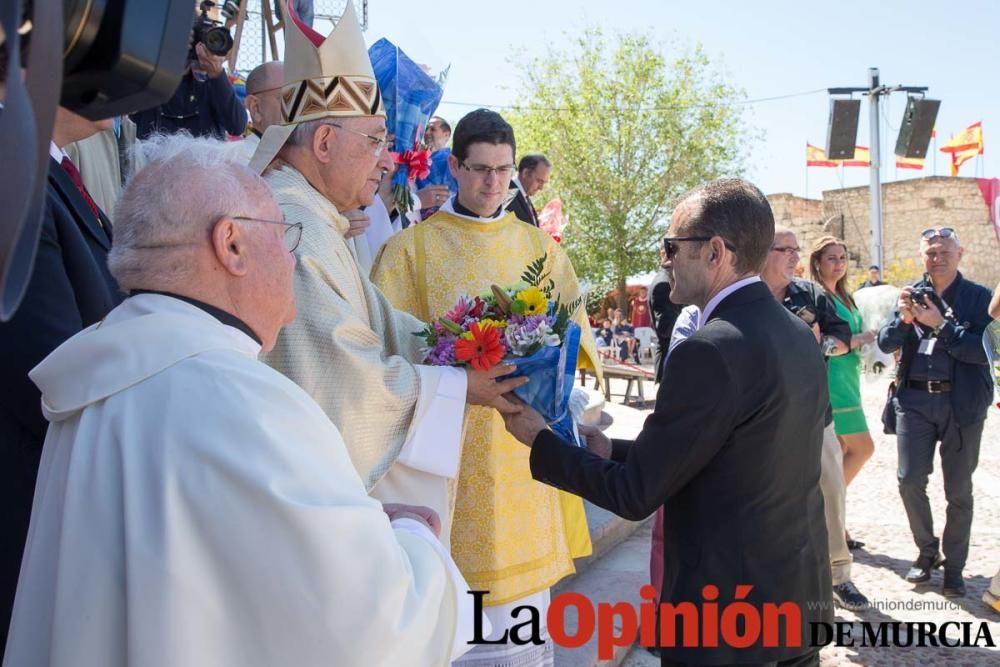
x=875 y=151
x=875 y=91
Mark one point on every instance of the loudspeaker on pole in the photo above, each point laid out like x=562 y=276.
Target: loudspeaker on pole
x=916 y=127
x=842 y=131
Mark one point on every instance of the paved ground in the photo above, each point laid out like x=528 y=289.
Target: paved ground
x=875 y=516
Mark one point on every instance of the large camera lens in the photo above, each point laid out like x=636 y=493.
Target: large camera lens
x=218 y=40
x=82 y=20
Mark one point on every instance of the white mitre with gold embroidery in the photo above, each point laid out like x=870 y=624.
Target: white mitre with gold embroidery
x=324 y=78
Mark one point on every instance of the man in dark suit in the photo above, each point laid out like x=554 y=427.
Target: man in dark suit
x=533 y=172
x=70 y=289
x=732 y=449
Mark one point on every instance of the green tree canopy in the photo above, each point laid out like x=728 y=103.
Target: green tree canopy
x=627 y=131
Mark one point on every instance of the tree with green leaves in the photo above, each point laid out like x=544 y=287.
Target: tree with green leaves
x=627 y=132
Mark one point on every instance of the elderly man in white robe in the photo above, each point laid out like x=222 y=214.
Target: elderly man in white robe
x=349 y=348
x=194 y=506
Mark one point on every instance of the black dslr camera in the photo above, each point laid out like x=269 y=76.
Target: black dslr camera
x=212 y=34
x=924 y=294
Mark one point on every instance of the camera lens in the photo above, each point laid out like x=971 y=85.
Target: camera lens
x=218 y=41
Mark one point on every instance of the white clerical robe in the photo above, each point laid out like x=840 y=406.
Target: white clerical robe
x=195 y=507
x=357 y=357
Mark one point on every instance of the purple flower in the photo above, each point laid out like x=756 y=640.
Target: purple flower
x=442 y=354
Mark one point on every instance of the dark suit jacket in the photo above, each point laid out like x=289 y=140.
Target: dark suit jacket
x=522 y=207
x=732 y=451
x=70 y=289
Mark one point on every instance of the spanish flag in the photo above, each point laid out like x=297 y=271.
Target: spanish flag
x=816 y=157
x=964 y=146
x=909 y=162
x=862 y=158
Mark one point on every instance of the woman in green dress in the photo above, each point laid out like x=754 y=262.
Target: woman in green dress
x=828 y=267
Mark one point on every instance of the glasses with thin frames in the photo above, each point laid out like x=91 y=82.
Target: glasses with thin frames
x=670 y=246
x=378 y=144
x=787 y=250
x=482 y=170
x=293 y=231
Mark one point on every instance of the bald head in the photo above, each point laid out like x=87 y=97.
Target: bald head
x=266 y=76
x=264 y=94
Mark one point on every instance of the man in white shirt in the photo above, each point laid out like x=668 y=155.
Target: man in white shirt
x=194 y=506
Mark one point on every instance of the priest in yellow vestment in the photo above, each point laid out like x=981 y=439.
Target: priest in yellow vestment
x=510 y=535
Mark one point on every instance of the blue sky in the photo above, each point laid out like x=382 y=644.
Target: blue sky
x=767 y=47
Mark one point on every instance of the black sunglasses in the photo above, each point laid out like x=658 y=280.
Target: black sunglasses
x=670 y=246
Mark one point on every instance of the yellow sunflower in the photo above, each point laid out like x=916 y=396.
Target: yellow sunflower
x=534 y=301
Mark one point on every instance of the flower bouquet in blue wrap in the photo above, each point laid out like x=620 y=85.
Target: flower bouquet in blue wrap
x=410 y=96
x=524 y=325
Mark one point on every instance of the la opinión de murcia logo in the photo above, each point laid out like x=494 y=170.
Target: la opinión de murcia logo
x=737 y=624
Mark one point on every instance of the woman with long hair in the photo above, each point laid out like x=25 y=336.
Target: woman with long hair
x=828 y=268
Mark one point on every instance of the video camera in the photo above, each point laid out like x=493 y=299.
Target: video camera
x=98 y=58
x=213 y=34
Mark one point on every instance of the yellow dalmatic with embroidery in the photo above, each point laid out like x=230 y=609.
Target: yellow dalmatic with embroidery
x=510 y=534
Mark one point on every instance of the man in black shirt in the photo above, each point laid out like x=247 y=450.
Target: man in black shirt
x=809 y=302
x=664 y=312
x=874 y=278
x=944 y=392
x=204 y=103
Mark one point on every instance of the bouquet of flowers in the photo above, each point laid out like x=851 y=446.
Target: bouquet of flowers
x=410 y=96
x=991 y=341
x=521 y=324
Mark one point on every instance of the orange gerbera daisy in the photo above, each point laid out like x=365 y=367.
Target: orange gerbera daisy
x=481 y=347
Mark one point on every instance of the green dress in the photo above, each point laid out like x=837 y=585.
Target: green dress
x=844 y=374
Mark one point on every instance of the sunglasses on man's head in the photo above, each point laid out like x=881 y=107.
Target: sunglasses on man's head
x=944 y=232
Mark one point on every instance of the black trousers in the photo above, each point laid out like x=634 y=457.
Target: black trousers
x=923 y=420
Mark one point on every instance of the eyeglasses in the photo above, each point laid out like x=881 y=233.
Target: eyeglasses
x=481 y=170
x=378 y=144
x=944 y=232
x=787 y=250
x=670 y=243
x=293 y=231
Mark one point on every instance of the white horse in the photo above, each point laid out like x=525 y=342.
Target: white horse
x=877 y=306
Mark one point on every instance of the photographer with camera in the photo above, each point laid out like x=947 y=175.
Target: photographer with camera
x=205 y=103
x=810 y=303
x=944 y=391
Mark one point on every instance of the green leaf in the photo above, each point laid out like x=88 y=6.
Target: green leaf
x=451 y=326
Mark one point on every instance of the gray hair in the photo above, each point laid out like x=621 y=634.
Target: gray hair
x=303 y=133
x=182 y=185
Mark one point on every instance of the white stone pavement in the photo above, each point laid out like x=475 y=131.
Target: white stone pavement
x=875 y=516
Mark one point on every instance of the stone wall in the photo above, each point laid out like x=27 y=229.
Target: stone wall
x=908 y=208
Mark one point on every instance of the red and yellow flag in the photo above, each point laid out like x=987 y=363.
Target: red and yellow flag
x=816 y=157
x=964 y=146
x=909 y=162
x=862 y=158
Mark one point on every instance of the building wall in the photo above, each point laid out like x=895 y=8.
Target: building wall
x=908 y=208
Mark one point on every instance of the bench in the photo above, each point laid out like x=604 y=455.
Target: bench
x=612 y=369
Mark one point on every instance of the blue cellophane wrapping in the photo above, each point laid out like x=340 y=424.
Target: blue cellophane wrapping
x=551 y=371
x=409 y=94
